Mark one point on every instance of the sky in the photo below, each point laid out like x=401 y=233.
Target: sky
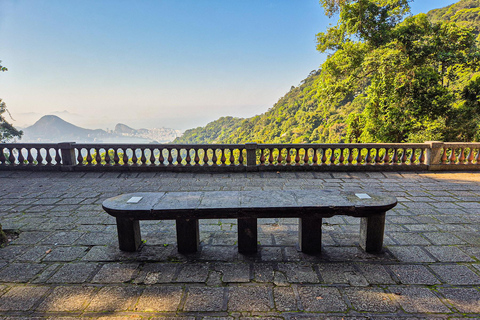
x=161 y=63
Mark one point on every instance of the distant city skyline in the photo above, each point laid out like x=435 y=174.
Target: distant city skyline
x=176 y=64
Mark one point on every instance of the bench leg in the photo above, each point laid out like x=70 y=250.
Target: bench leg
x=247 y=235
x=371 y=233
x=310 y=235
x=188 y=235
x=129 y=238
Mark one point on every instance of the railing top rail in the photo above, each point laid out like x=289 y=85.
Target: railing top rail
x=159 y=145
x=345 y=145
x=29 y=145
x=462 y=144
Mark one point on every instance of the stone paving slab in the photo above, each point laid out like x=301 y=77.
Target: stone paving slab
x=65 y=262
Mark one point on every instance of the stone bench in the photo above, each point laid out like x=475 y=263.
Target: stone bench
x=310 y=206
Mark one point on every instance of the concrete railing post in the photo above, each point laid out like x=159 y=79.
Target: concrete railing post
x=68 y=155
x=434 y=153
x=251 y=156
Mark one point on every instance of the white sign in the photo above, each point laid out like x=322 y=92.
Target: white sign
x=363 y=196
x=134 y=200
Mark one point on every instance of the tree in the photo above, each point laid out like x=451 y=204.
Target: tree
x=7 y=131
x=407 y=77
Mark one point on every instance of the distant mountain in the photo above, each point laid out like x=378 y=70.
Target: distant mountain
x=51 y=128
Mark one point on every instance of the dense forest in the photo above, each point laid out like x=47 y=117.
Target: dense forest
x=389 y=77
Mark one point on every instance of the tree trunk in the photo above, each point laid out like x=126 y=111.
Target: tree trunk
x=3 y=237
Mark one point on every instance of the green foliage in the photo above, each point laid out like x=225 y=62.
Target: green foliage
x=3 y=236
x=386 y=79
x=213 y=132
x=7 y=131
x=415 y=83
x=465 y=13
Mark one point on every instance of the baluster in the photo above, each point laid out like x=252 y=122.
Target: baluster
x=30 y=158
x=341 y=159
x=315 y=156
x=241 y=158
x=161 y=159
x=297 y=156
x=413 y=156
x=116 y=158
x=79 y=156
x=477 y=156
x=421 y=160
x=125 y=156
x=444 y=156
x=403 y=159
x=98 y=157
x=58 y=158
x=262 y=157
x=107 y=156
x=11 y=157
x=306 y=156
x=453 y=157
x=143 y=158
x=2 y=156
x=170 y=157
x=232 y=157
x=358 y=159
x=196 y=158
x=461 y=159
x=368 y=158
x=333 y=158
x=21 y=159
x=288 y=159
x=39 y=157
x=48 y=158
x=223 y=159
x=270 y=156
x=214 y=157
x=205 y=156
x=324 y=155
x=386 y=157
x=470 y=156
x=188 y=159
x=89 y=157
x=395 y=156
x=350 y=156
x=134 y=157
x=179 y=156
x=377 y=159
x=152 y=156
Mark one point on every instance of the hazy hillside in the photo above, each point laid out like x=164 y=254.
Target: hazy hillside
x=465 y=13
x=52 y=128
x=160 y=135
x=302 y=115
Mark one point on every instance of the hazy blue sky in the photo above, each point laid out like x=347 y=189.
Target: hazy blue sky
x=172 y=63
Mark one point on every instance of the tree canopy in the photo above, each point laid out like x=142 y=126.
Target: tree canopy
x=7 y=131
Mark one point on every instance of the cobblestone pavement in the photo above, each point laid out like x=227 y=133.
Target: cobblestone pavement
x=65 y=262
